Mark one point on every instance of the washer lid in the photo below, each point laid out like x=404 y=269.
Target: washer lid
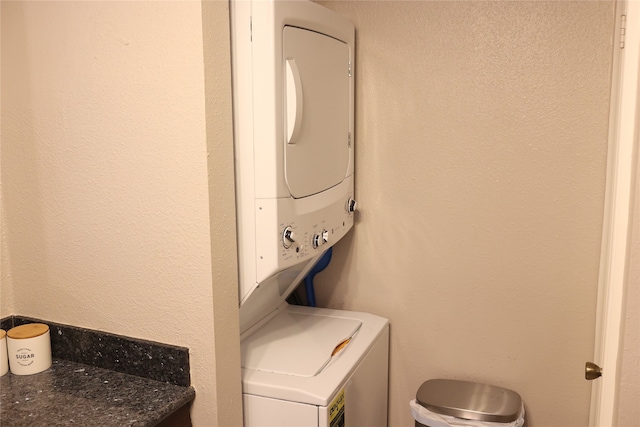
x=297 y=344
x=469 y=400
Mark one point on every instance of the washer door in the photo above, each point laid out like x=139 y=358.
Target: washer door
x=317 y=141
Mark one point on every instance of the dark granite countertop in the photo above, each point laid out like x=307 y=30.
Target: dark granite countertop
x=71 y=393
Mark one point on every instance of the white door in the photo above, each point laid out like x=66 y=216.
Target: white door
x=316 y=111
x=623 y=142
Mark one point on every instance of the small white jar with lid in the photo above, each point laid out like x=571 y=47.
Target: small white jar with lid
x=4 y=361
x=29 y=348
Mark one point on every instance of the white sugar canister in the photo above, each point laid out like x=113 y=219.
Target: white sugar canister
x=4 y=361
x=29 y=348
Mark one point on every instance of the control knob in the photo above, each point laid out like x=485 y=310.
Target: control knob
x=320 y=239
x=351 y=205
x=288 y=237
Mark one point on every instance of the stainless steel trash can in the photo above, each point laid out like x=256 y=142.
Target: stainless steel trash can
x=441 y=402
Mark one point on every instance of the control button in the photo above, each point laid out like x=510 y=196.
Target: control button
x=288 y=237
x=351 y=205
x=320 y=239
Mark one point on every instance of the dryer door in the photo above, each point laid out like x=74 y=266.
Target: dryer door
x=317 y=144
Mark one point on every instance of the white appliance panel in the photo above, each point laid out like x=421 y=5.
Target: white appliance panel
x=366 y=392
x=271 y=293
x=317 y=140
x=317 y=222
x=265 y=412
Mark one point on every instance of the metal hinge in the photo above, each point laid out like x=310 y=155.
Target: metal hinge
x=623 y=29
x=349 y=140
x=349 y=68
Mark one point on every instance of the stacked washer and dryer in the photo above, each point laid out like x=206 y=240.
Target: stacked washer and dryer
x=293 y=85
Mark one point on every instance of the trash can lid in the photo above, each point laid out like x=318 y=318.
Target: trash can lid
x=469 y=400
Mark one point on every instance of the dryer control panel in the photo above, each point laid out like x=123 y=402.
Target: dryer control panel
x=297 y=237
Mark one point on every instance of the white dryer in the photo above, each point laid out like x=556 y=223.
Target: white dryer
x=293 y=87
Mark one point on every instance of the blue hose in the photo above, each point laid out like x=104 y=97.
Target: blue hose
x=308 y=281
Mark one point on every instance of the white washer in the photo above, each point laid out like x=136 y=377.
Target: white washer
x=293 y=85
x=290 y=377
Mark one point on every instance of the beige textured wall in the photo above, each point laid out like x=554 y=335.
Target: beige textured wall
x=481 y=137
x=6 y=291
x=105 y=175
